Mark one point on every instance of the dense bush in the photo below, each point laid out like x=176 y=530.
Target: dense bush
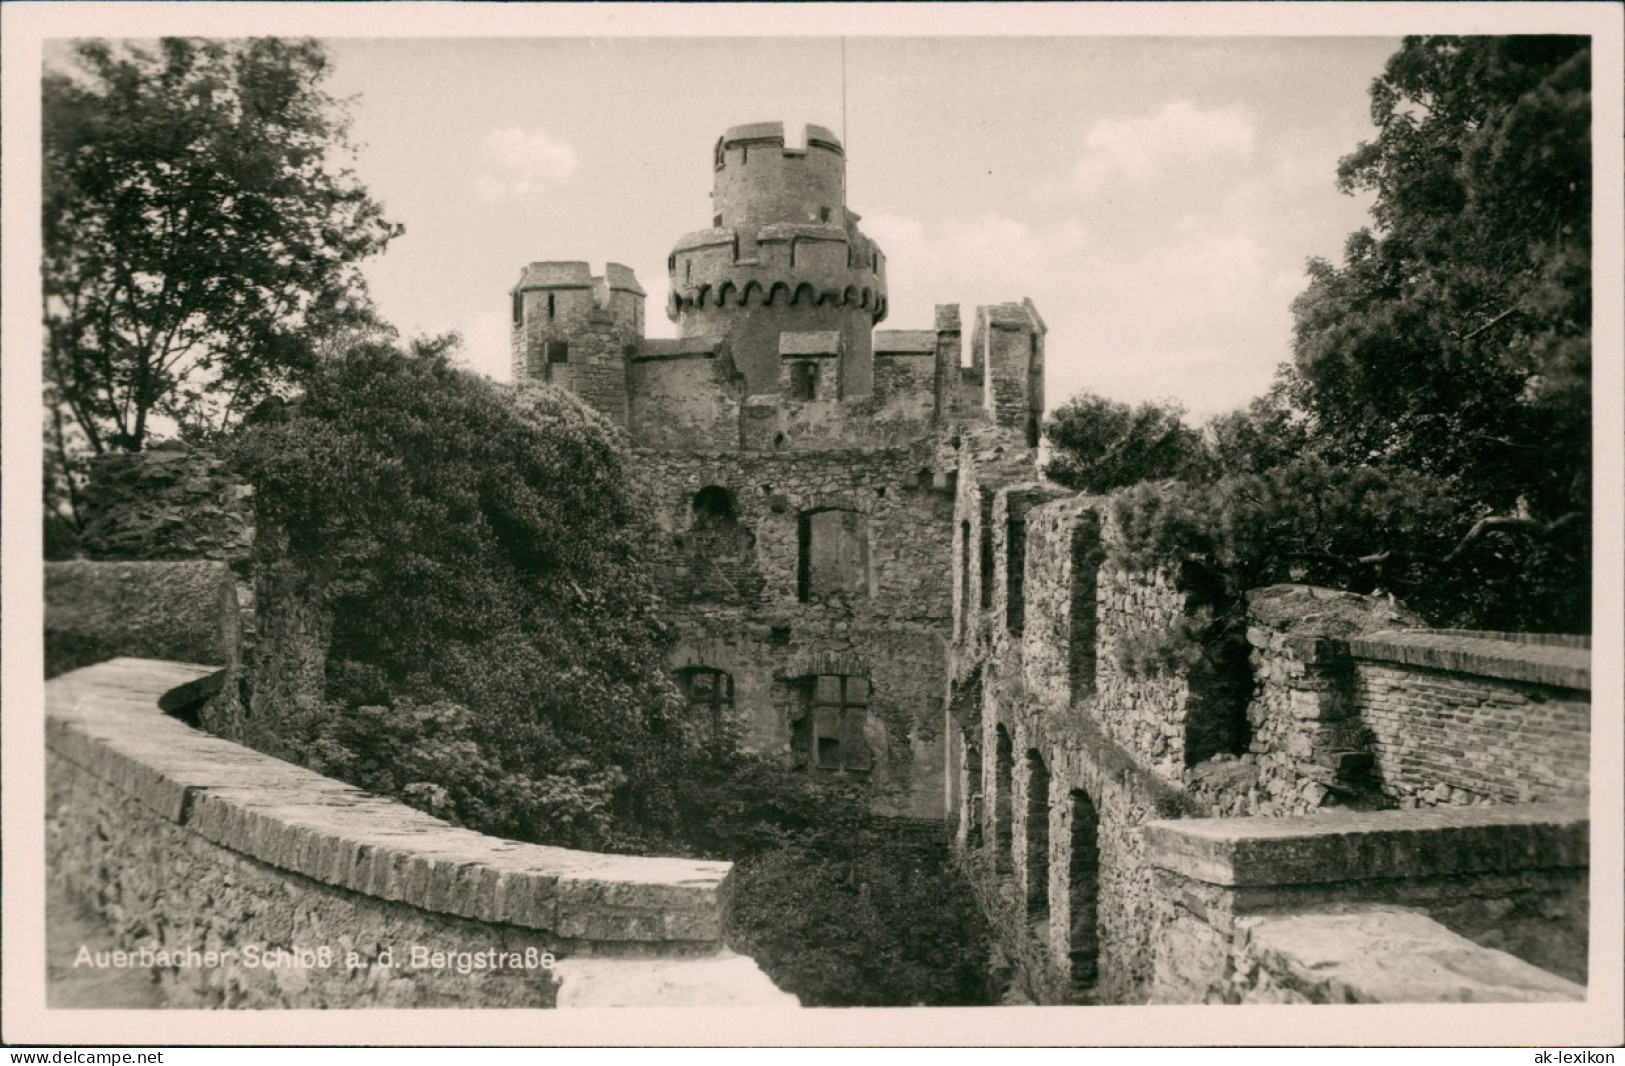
x=879 y=921
x=1358 y=528
x=837 y=905
x=1098 y=444
x=495 y=657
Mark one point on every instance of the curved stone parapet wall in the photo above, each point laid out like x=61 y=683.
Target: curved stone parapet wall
x=242 y=880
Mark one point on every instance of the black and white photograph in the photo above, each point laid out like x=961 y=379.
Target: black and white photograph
x=1079 y=524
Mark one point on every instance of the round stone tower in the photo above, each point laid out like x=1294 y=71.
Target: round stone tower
x=783 y=255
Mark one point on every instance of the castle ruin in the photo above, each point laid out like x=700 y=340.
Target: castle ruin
x=870 y=579
x=804 y=462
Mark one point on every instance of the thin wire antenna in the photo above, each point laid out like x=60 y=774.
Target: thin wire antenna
x=843 y=92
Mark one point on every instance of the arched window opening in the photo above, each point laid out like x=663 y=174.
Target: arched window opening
x=973 y=796
x=1083 y=874
x=518 y=308
x=834 y=555
x=710 y=694
x=1003 y=777
x=712 y=508
x=1015 y=607
x=1037 y=866
x=986 y=547
x=552 y=307
x=828 y=735
x=964 y=576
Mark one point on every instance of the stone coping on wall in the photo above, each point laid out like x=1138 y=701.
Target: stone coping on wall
x=1487 y=655
x=905 y=342
x=1559 y=640
x=1378 y=953
x=105 y=720
x=660 y=349
x=1437 y=842
x=833 y=457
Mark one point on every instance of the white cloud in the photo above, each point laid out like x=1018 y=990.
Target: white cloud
x=1176 y=146
x=522 y=161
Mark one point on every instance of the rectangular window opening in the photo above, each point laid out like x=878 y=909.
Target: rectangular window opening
x=1015 y=564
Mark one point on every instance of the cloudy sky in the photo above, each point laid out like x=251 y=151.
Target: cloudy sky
x=1156 y=197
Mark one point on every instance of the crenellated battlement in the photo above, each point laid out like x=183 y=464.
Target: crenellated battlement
x=572 y=328
x=776 y=304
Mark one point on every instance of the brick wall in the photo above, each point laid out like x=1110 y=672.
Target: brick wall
x=1466 y=718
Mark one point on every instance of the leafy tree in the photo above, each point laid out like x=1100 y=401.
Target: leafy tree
x=200 y=235
x=1267 y=433
x=1455 y=340
x=1098 y=444
x=495 y=655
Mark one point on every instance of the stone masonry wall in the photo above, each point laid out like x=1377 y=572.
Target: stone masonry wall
x=733 y=587
x=1308 y=747
x=172 y=503
x=1467 y=718
x=1507 y=879
x=1103 y=708
x=269 y=885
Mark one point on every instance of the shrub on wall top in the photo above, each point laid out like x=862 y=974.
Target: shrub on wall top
x=496 y=656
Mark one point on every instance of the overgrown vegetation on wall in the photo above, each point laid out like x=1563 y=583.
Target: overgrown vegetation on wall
x=497 y=658
x=495 y=654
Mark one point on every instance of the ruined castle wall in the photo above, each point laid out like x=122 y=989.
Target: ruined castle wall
x=903 y=385
x=1348 y=710
x=736 y=591
x=684 y=394
x=1474 y=718
x=1083 y=704
x=1089 y=941
x=1061 y=865
x=172 y=503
